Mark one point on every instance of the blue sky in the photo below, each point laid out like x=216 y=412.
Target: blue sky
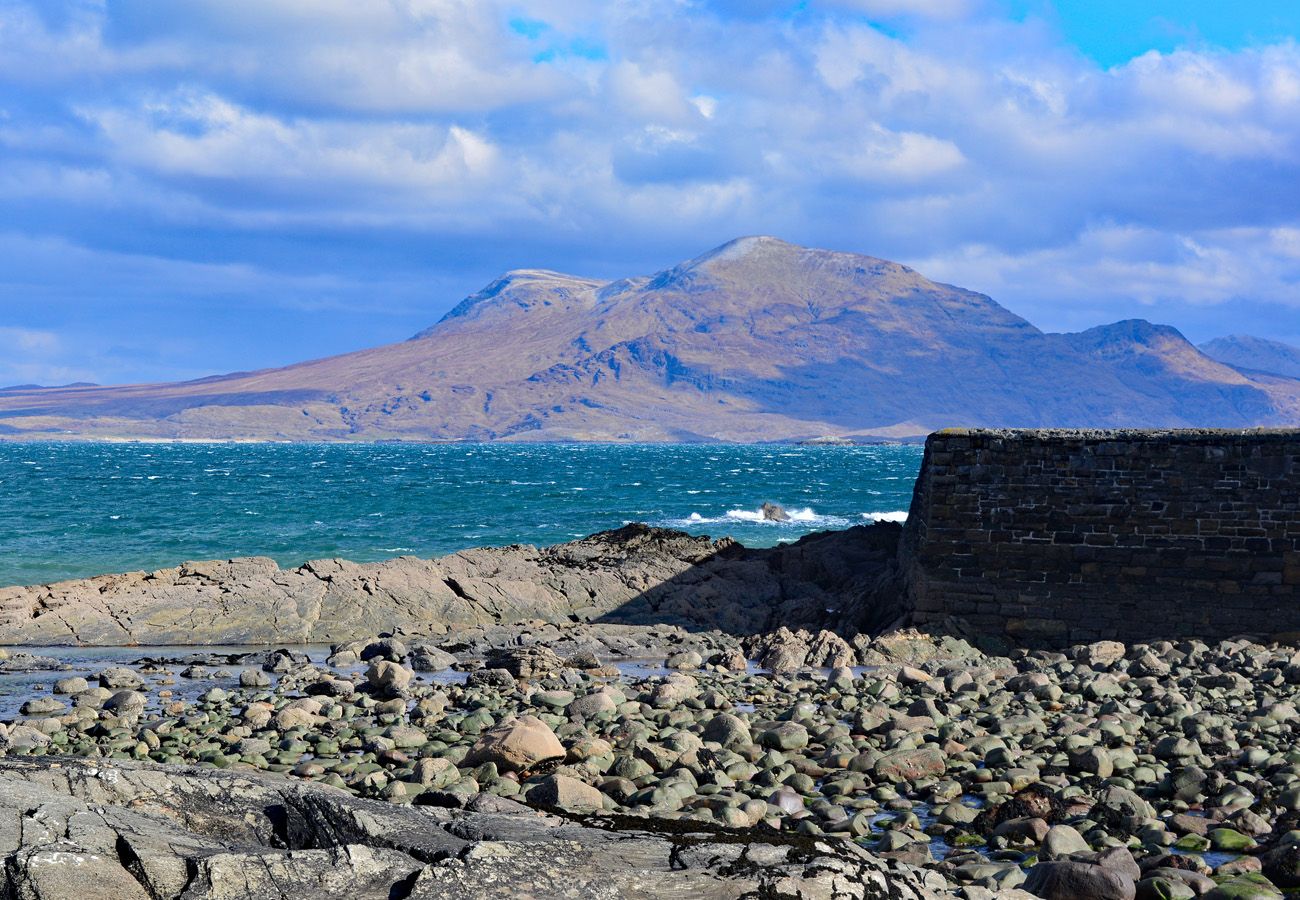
x=213 y=185
x=1114 y=31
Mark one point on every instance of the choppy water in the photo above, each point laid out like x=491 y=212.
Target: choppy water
x=75 y=509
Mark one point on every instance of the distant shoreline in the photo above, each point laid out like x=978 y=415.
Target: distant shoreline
x=102 y=439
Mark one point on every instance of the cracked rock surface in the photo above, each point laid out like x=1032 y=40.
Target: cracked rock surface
x=72 y=829
x=635 y=575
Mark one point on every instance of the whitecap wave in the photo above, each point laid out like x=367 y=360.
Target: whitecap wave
x=897 y=515
x=799 y=518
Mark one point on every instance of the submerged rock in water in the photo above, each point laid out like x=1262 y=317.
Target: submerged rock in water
x=427 y=658
x=21 y=661
x=526 y=662
x=773 y=512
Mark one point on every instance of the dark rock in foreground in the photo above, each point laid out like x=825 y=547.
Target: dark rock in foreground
x=1105 y=771
x=635 y=575
x=131 y=830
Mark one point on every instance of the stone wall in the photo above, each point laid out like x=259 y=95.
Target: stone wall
x=1053 y=537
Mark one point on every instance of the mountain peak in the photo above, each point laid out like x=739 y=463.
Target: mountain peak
x=766 y=260
x=756 y=340
x=1130 y=331
x=518 y=289
x=746 y=247
x=1256 y=354
x=742 y=251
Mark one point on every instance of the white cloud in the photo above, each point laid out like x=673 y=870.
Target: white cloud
x=856 y=57
x=925 y=9
x=1084 y=278
x=28 y=340
x=649 y=95
x=705 y=104
x=1191 y=82
x=33 y=356
x=205 y=136
x=907 y=157
x=611 y=136
x=32 y=54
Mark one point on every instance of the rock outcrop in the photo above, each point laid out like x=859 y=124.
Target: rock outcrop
x=634 y=575
x=136 y=831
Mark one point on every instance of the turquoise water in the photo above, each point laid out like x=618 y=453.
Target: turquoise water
x=70 y=510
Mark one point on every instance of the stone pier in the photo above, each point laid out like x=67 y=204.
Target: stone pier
x=1054 y=537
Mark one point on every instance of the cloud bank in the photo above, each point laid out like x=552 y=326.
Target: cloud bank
x=203 y=185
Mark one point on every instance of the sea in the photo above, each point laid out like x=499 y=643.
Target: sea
x=75 y=509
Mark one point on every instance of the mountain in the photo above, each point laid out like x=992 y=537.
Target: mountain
x=756 y=340
x=42 y=387
x=1254 y=354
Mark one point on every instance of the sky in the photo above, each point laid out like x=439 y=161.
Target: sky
x=202 y=186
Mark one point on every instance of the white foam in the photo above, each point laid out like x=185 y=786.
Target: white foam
x=897 y=515
x=807 y=514
x=798 y=518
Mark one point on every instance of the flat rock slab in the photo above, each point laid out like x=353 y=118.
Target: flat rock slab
x=633 y=575
x=136 y=830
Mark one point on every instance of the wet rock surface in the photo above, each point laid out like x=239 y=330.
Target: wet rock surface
x=634 y=575
x=141 y=831
x=1063 y=774
x=22 y=661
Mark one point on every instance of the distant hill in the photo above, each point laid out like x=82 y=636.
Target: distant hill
x=1255 y=354
x=756 y=340
x=44 y=387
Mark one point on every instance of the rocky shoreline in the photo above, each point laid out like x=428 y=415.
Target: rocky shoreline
x=1102 y=771
x=843 y=580
x=137 y=831
x=640 y=713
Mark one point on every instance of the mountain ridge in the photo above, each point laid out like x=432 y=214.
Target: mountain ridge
x=755 y=340
x=1255 y=354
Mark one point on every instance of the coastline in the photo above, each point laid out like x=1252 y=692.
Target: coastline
x=635 y=575
x=784 y=705
x=936 y=771
x=853 y=440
